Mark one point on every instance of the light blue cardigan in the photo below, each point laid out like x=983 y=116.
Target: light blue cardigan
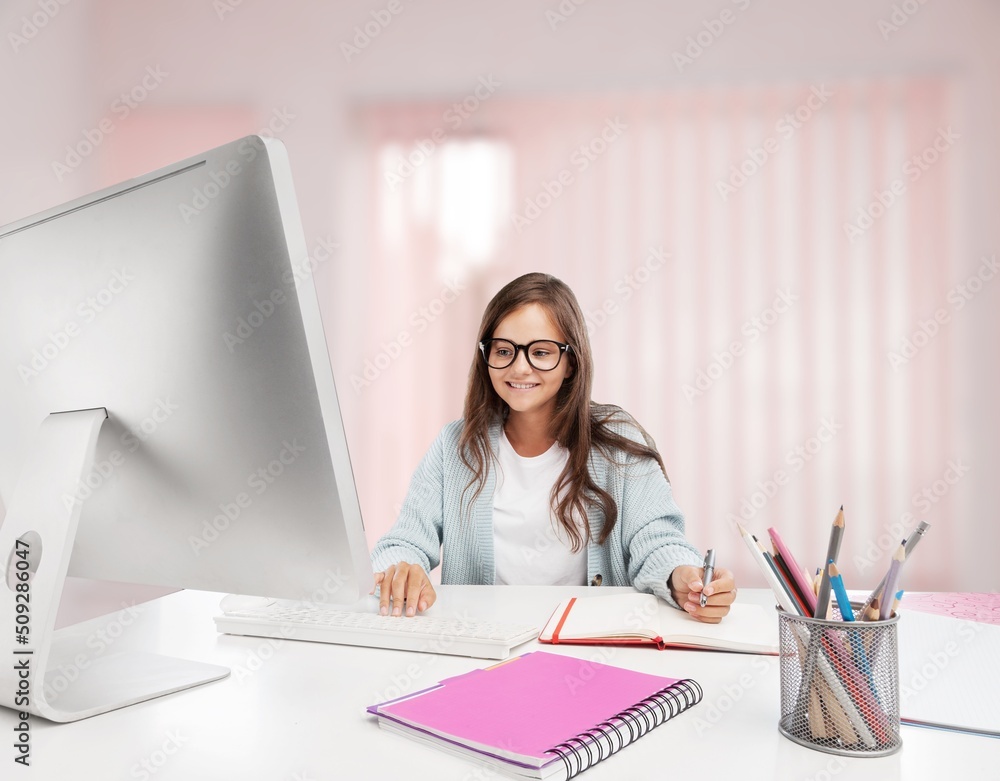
x=644 y=547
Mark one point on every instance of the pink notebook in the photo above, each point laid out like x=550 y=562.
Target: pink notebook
x=983 y=607
x=531 y=712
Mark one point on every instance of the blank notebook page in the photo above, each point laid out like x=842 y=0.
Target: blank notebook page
x=948 y=672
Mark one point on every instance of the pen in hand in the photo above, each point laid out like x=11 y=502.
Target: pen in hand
x=709 y=574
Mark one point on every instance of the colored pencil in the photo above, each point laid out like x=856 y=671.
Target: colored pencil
x=910 y=543
x=891 y=581
x=781 y=595
x=795 y=571
x=832 y=552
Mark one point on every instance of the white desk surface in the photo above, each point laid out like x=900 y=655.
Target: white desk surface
x=294 y=711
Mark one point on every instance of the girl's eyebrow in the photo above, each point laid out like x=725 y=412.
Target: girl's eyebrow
x=539 y=339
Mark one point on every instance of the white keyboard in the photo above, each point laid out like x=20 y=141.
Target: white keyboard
x=456 y=636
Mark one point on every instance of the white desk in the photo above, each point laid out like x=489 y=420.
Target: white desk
x=293 y=711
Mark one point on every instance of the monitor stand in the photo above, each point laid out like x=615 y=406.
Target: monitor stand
x=38 y=532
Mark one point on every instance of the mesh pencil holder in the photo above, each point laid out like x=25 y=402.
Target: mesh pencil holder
x=840 y=684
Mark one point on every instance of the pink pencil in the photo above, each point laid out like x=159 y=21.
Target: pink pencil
x=796 y=571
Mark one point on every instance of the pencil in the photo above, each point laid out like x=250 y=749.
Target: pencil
x=841 y=722
x=832 y=552
x=891 y=581
x=910 y=543
x=789 y=582
x=781 y=595
x=847 y=613
x=796 y=574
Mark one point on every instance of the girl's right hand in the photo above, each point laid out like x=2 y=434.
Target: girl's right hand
x=404 y=582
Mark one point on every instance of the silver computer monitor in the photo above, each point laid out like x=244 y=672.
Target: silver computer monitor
x=182 y=303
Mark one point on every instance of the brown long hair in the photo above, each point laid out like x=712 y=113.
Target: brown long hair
x=578 y=423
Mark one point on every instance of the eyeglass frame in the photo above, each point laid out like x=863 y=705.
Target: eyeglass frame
x=563 y=348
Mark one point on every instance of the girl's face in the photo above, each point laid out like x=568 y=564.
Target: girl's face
x=526 y=389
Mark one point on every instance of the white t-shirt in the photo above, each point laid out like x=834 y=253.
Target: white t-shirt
x=530 y=545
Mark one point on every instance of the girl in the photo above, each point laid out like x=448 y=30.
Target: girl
x=537 y=484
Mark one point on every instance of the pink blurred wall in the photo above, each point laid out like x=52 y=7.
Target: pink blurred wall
x=219 y=78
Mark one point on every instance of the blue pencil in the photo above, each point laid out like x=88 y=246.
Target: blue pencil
x=847 y=612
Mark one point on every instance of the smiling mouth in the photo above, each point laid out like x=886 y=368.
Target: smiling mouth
x=522 y=386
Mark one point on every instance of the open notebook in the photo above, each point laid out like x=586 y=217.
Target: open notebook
x=644 y=619
x=539 y=715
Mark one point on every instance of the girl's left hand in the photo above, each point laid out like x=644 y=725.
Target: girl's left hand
x=686 y=587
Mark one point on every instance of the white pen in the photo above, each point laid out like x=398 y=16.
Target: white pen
x=709 y=574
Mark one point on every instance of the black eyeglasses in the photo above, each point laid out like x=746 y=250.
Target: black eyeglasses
x=542 y=354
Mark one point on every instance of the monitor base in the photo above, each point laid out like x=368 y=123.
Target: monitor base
x=36 y=542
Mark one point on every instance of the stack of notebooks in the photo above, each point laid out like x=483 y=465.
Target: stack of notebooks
x=539 y=715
